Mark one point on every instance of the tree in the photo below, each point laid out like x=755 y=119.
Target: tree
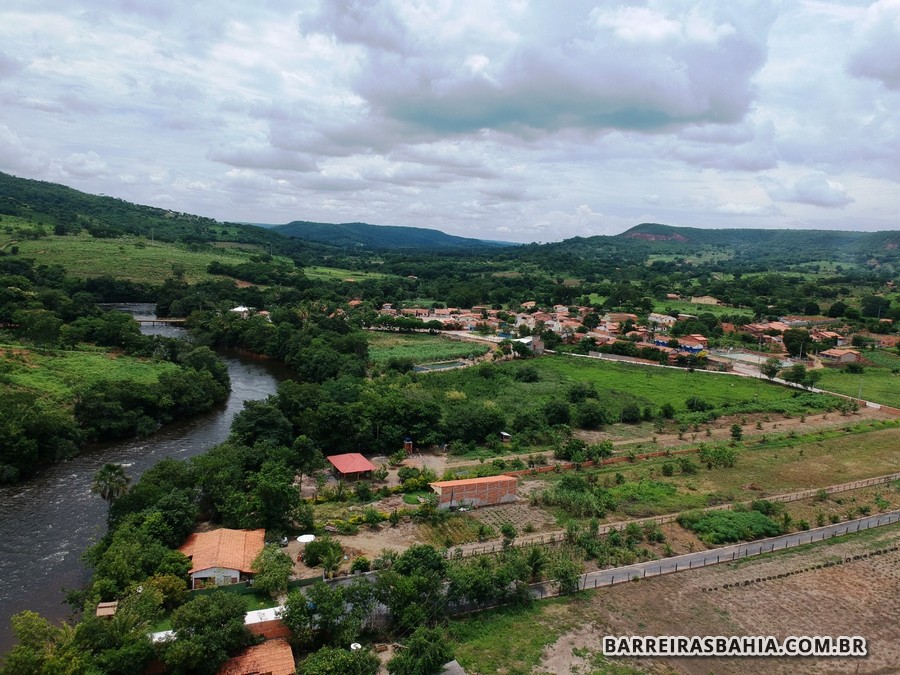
x=207 y=631
x=328 y=614
x=42 y=648
x=874 y=305
x=331 y=561
x=331 y=660
x=736 y=432
x=566 y=572
x=556 y=412
x=427 y=650
x=110 y=482
x=796 y=341
x=273 y=570
x=536 y=561
x=590 y=414
x=771 y=367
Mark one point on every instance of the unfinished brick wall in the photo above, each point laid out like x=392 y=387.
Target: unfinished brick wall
x=476 y=492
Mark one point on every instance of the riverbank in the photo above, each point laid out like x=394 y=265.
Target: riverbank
x=47 y=522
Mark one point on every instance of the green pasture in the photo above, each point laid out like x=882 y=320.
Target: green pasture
x=686 y=307
x=875 y=384
x=58 y=374
x=420 y=347
x=617 y=385
x=133 y=258
x=319 y=273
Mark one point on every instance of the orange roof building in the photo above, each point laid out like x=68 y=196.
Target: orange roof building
x=222 y=556
x=474 y=492
x=273 y=657
x=351 y=464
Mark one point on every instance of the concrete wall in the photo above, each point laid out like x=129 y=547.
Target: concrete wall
x=222 y=576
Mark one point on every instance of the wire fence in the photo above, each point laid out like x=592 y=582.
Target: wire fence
x=557 y=537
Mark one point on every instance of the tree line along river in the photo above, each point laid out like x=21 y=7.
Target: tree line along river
x=46 y=523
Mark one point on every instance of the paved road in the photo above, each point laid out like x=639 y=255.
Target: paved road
x=720 y=555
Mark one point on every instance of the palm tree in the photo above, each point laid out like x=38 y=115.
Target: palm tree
x=110 y=482
x=331 y=561
x=535 y=562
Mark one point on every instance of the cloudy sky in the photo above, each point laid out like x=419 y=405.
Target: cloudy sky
x=508 y=119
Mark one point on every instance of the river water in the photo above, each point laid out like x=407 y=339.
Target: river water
x=47 y=522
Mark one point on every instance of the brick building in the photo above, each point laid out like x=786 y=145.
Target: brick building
x=474 y=492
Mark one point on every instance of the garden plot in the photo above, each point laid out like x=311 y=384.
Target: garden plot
x=520 y=515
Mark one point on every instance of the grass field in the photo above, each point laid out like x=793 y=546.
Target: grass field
x=686 y=307
x=780 y=466
x=618 y=385
x=131 y=258
x=59 y=374
x=336 y=274
x=877 y=383
x=420 y=347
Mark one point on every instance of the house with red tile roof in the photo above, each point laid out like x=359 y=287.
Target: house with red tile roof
x=222 y=556
x=841 y=355
x=273 y=657
x=351 y=465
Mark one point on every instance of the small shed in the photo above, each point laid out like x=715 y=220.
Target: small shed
x=474 y=492
x=505 y=436
x=351 y=465
x=105 y=609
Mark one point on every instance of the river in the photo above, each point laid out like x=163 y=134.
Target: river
x=47 y=522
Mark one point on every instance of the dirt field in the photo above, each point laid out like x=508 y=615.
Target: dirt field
x=855 y=598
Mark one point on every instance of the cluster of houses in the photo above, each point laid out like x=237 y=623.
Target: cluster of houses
x=570 y=324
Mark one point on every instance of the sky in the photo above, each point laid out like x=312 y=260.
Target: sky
x=508 y=120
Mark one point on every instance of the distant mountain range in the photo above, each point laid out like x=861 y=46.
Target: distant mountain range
x=58 y=205
x=393 y=237
x=789 y=245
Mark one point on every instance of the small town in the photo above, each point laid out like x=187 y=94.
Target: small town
x=369 y=337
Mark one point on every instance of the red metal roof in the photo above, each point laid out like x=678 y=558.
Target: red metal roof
x=351 y=462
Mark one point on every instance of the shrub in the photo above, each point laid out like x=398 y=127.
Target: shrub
x=687 y=467
x=318 y=549
x=697 y=404
x=668 y=469
x=631 y=413
x=360 y=564
x=721 y=527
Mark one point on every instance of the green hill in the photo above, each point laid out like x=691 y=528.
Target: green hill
x=392 y=237
x=791 y=246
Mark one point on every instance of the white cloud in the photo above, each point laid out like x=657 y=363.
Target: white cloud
x=814 y=189
x=548 y=120
x=81 y=165
x=748 y=209
x=877 y=51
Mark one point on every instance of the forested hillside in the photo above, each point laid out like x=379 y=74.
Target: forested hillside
x=379 y=237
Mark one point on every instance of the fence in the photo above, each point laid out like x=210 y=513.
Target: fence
x=727 y=554
x=557 y=537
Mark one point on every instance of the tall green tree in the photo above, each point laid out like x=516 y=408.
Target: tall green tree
x=207 y=630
